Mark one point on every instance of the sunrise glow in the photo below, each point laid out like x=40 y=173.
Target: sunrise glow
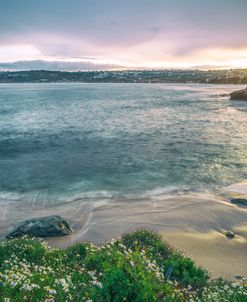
x=131 y=34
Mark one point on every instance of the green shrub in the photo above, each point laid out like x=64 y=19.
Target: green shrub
x=150 y=241
x=76 y=253
x=131 y=269
x=27 y=248
x=220 y=290
x=126 y=274
x=185 y=271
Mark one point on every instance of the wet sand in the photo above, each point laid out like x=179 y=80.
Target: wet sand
x=193 y=222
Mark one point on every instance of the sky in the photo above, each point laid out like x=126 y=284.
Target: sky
x=123 y=33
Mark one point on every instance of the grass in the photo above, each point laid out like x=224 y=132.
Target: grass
x=138 y=267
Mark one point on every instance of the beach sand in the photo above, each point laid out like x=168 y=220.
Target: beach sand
x=222 y=257
x=193 y=222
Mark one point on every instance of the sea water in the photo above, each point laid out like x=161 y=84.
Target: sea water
x=65 y=141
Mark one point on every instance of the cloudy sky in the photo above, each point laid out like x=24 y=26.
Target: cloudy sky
x=131 y=33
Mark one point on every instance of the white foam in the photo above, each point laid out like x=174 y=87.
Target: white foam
x=159 y=193
x=10 y=196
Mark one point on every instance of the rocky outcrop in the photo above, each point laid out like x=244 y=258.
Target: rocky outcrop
x=49 y=226
x=239 y=94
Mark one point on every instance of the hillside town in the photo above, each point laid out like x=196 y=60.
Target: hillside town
x=226 y=76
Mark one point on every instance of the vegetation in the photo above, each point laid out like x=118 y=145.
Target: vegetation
x=138 y=267
x=226 y=76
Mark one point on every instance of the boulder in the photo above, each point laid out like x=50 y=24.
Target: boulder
x=239 y=94
x=49 y=226
x=239 y=201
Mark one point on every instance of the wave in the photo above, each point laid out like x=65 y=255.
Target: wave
x=46 y=199
x=95 y=198
x=158 y=193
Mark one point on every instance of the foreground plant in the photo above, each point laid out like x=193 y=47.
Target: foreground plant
x=133 y=268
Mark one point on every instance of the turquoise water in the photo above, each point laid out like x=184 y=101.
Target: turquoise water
x=60 y=142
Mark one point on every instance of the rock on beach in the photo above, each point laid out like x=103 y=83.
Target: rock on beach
x=49 y=226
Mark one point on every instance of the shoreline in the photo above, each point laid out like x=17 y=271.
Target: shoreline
x=193 y=222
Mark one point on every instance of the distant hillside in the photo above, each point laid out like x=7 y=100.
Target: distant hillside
x=232 y=76
x=57 y=65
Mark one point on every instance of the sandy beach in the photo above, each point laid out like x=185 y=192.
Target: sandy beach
x=192 y=222
x=222 y=257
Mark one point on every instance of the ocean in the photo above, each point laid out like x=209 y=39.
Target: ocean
x=60 y=142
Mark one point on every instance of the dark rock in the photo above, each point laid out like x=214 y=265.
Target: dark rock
x=49 y=226
x=238 y=277
x=239 y=94
x=239 y=201
x=223 y=95
x=229 y=234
